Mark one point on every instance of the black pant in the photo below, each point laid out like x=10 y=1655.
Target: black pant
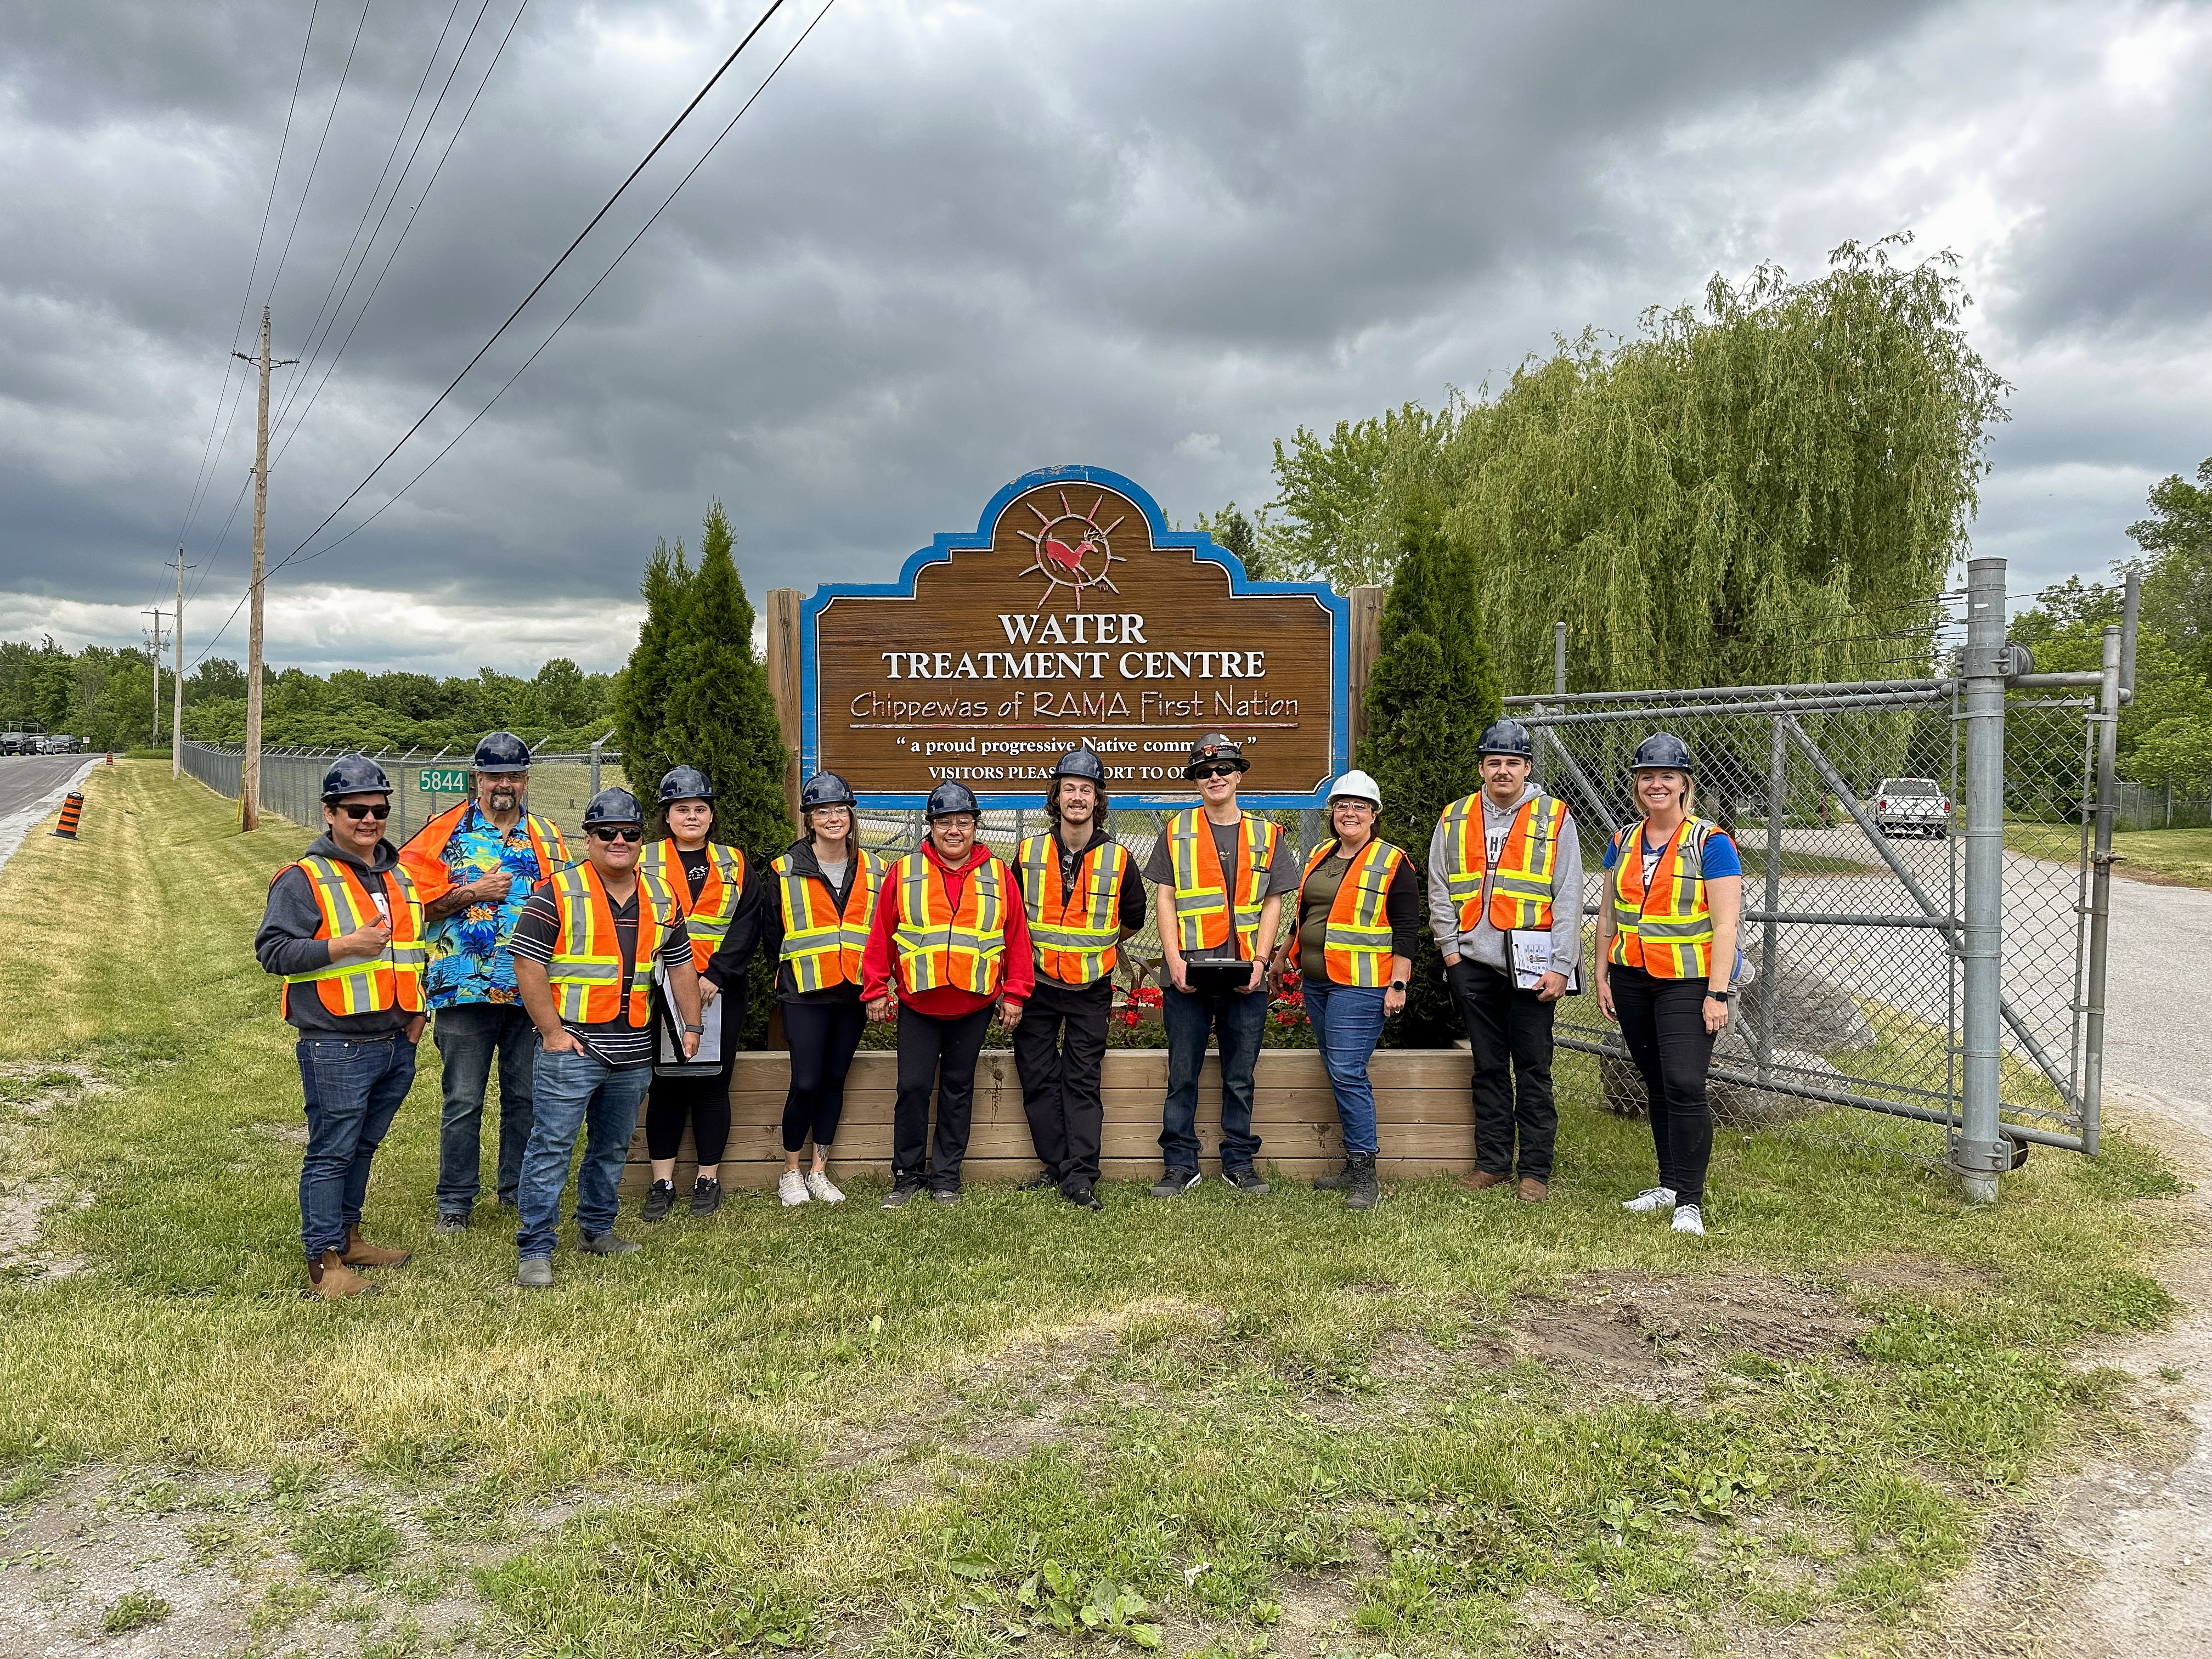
x=1510 y=1031
x=822 y=1038
x=1059 y=1085
x=942 y=1052
x=703 y=1101
x=1664 y=1023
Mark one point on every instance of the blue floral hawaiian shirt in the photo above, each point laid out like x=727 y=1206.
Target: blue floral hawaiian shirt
x=469 y=958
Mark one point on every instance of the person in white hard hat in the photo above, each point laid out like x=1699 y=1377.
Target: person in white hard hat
x=1358 y=916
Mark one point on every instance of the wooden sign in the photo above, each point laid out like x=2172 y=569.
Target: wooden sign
x=1072 y=615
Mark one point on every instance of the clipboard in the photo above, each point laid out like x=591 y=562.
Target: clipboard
x=1529 y=951
x=668 y=1056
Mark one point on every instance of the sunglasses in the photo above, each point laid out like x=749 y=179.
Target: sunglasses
x=600 y=832
x=357 y=812
x=1224 y=771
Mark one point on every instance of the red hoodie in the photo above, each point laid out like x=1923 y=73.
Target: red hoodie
x=948 y=1001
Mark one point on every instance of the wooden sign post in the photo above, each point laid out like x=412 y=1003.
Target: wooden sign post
x=1072 y=615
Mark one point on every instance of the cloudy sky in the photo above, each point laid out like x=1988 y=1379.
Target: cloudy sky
x=954 y=241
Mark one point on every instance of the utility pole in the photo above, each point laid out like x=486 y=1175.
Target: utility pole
x=154 y=658
x=249 y=771
x=177 y=712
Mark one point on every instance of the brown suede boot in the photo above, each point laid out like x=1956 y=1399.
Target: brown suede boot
x=1477 y=1180
x=332 y=1280
x=1534 y=1191
x=359 y=1252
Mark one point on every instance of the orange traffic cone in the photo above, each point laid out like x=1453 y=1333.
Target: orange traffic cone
x=72 y=809
x=111 y=757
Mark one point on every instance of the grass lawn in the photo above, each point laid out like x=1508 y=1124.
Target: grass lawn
x=1219 y=1426
x=2180 y=857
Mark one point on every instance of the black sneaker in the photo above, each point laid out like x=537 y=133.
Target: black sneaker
x=1176 y=1182
x=1246 y=1180
x=659 y=1201
x=1083 y=1198
x=945 y=1195
x=706 y=1196
x=1039 y=1181
x=897 y=1198
x=607 y=1244
x=452 y=1221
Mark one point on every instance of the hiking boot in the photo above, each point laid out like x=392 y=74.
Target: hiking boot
x=1246 y=1180
x=535 y=1273
x=945 y=1195
x=1083 y=1198
x=1174 y=1183
x=706 y=1195
x=659 y=1201
x=452 y=1221
x=1038 y=1182
x=359 y=1252
x=607 y=1244
x=1339 y=1182
x=820 y=1188
x=1481 y=1181
x=901 y=1194
x=1534 y=1191
x=1650 y=1199
x=790 y=1189
x=1366 y=1191
x=333 y=1281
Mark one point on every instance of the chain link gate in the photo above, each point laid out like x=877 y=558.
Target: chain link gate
x=1847 y=804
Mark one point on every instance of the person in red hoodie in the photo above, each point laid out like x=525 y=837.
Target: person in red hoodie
x=949 y=938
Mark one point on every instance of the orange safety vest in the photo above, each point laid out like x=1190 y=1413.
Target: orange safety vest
x=424 y=854
x=823 y=947
x=1203 y=901
x=1355 y=943
x=587 y=969
x=1667 y=931
x=1077 y=933
x=1521 y=895
x=938 y=945
x=359 y=986
x=707 y=917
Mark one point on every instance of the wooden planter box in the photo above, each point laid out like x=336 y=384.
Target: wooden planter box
x=1426 y=1126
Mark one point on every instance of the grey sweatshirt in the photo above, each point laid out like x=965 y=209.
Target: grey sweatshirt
x=287 y=942
x=1485 y=944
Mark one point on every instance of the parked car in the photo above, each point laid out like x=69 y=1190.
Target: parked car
x=1911 y=806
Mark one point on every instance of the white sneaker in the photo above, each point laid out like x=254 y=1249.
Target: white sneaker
x=790 y=1187
x=817 y=1183
x=1688 y=1219
x=1650 y=1199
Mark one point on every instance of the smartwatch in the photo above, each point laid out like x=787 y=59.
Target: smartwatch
x=700 y=1030
x=1397 y=984
x=1718 y=996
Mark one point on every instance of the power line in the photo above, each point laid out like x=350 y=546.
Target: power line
x=315 y=164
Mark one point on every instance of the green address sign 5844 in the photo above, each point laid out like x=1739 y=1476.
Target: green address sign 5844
x=442 y=780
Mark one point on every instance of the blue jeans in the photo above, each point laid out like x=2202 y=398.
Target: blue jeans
x=466 y=1035
x=575 y=1091
x=1236 y=1019
x=353 y=1091
x=1347 y=1023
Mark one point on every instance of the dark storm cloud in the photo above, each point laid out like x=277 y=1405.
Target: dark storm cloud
x=954 y=242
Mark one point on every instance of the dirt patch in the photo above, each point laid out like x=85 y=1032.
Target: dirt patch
x=1912 y=1275
x=1657 y=1336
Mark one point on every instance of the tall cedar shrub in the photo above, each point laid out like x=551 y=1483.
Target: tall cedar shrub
x=1429 y=695
x=697 y=696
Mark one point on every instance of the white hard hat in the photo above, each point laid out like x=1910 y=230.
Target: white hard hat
x=1356 y=786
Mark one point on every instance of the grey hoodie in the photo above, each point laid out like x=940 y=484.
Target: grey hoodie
x=1485 y=944
x=287 y=942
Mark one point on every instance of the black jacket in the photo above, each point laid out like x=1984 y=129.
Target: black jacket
x=287 y=942
x=769 y=931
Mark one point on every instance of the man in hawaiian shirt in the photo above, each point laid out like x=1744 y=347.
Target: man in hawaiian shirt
x=474 y=867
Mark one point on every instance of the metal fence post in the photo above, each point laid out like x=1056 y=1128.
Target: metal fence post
x=1978 y=1151
x=596 y=741
x=2100 y=891
x=1769 y=938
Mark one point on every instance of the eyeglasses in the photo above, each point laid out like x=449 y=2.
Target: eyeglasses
x=357 y=812
x=1352 y=805
x=601 y=832
x=1224 y=771
x=957 y=821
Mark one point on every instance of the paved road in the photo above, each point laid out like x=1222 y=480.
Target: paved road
x=29 y=786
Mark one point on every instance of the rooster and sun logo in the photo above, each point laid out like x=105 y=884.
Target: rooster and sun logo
x=1072 y=550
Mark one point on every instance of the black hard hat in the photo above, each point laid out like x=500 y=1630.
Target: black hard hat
x=684 y=783
x=1080 y=764
x=950 y=798
x=502 y=751
x=826 y=789
x=613 y=806
x=354 y=774
x=1662 y=749
x=1213 y=747
x=1507 y=738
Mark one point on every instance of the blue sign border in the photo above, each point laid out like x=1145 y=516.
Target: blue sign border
x=1197 y=543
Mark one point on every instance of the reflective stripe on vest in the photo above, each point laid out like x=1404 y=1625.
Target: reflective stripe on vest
x=1667 y=931
x=1076 y=935
x=939 y=946
x=359 y=986
x=1201 y=887
x=1521 y=893
x=1355 y=943
x=823 y=947
x=707 y=918
x=587 y=969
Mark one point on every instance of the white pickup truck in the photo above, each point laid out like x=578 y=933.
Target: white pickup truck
x=1911 y=806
